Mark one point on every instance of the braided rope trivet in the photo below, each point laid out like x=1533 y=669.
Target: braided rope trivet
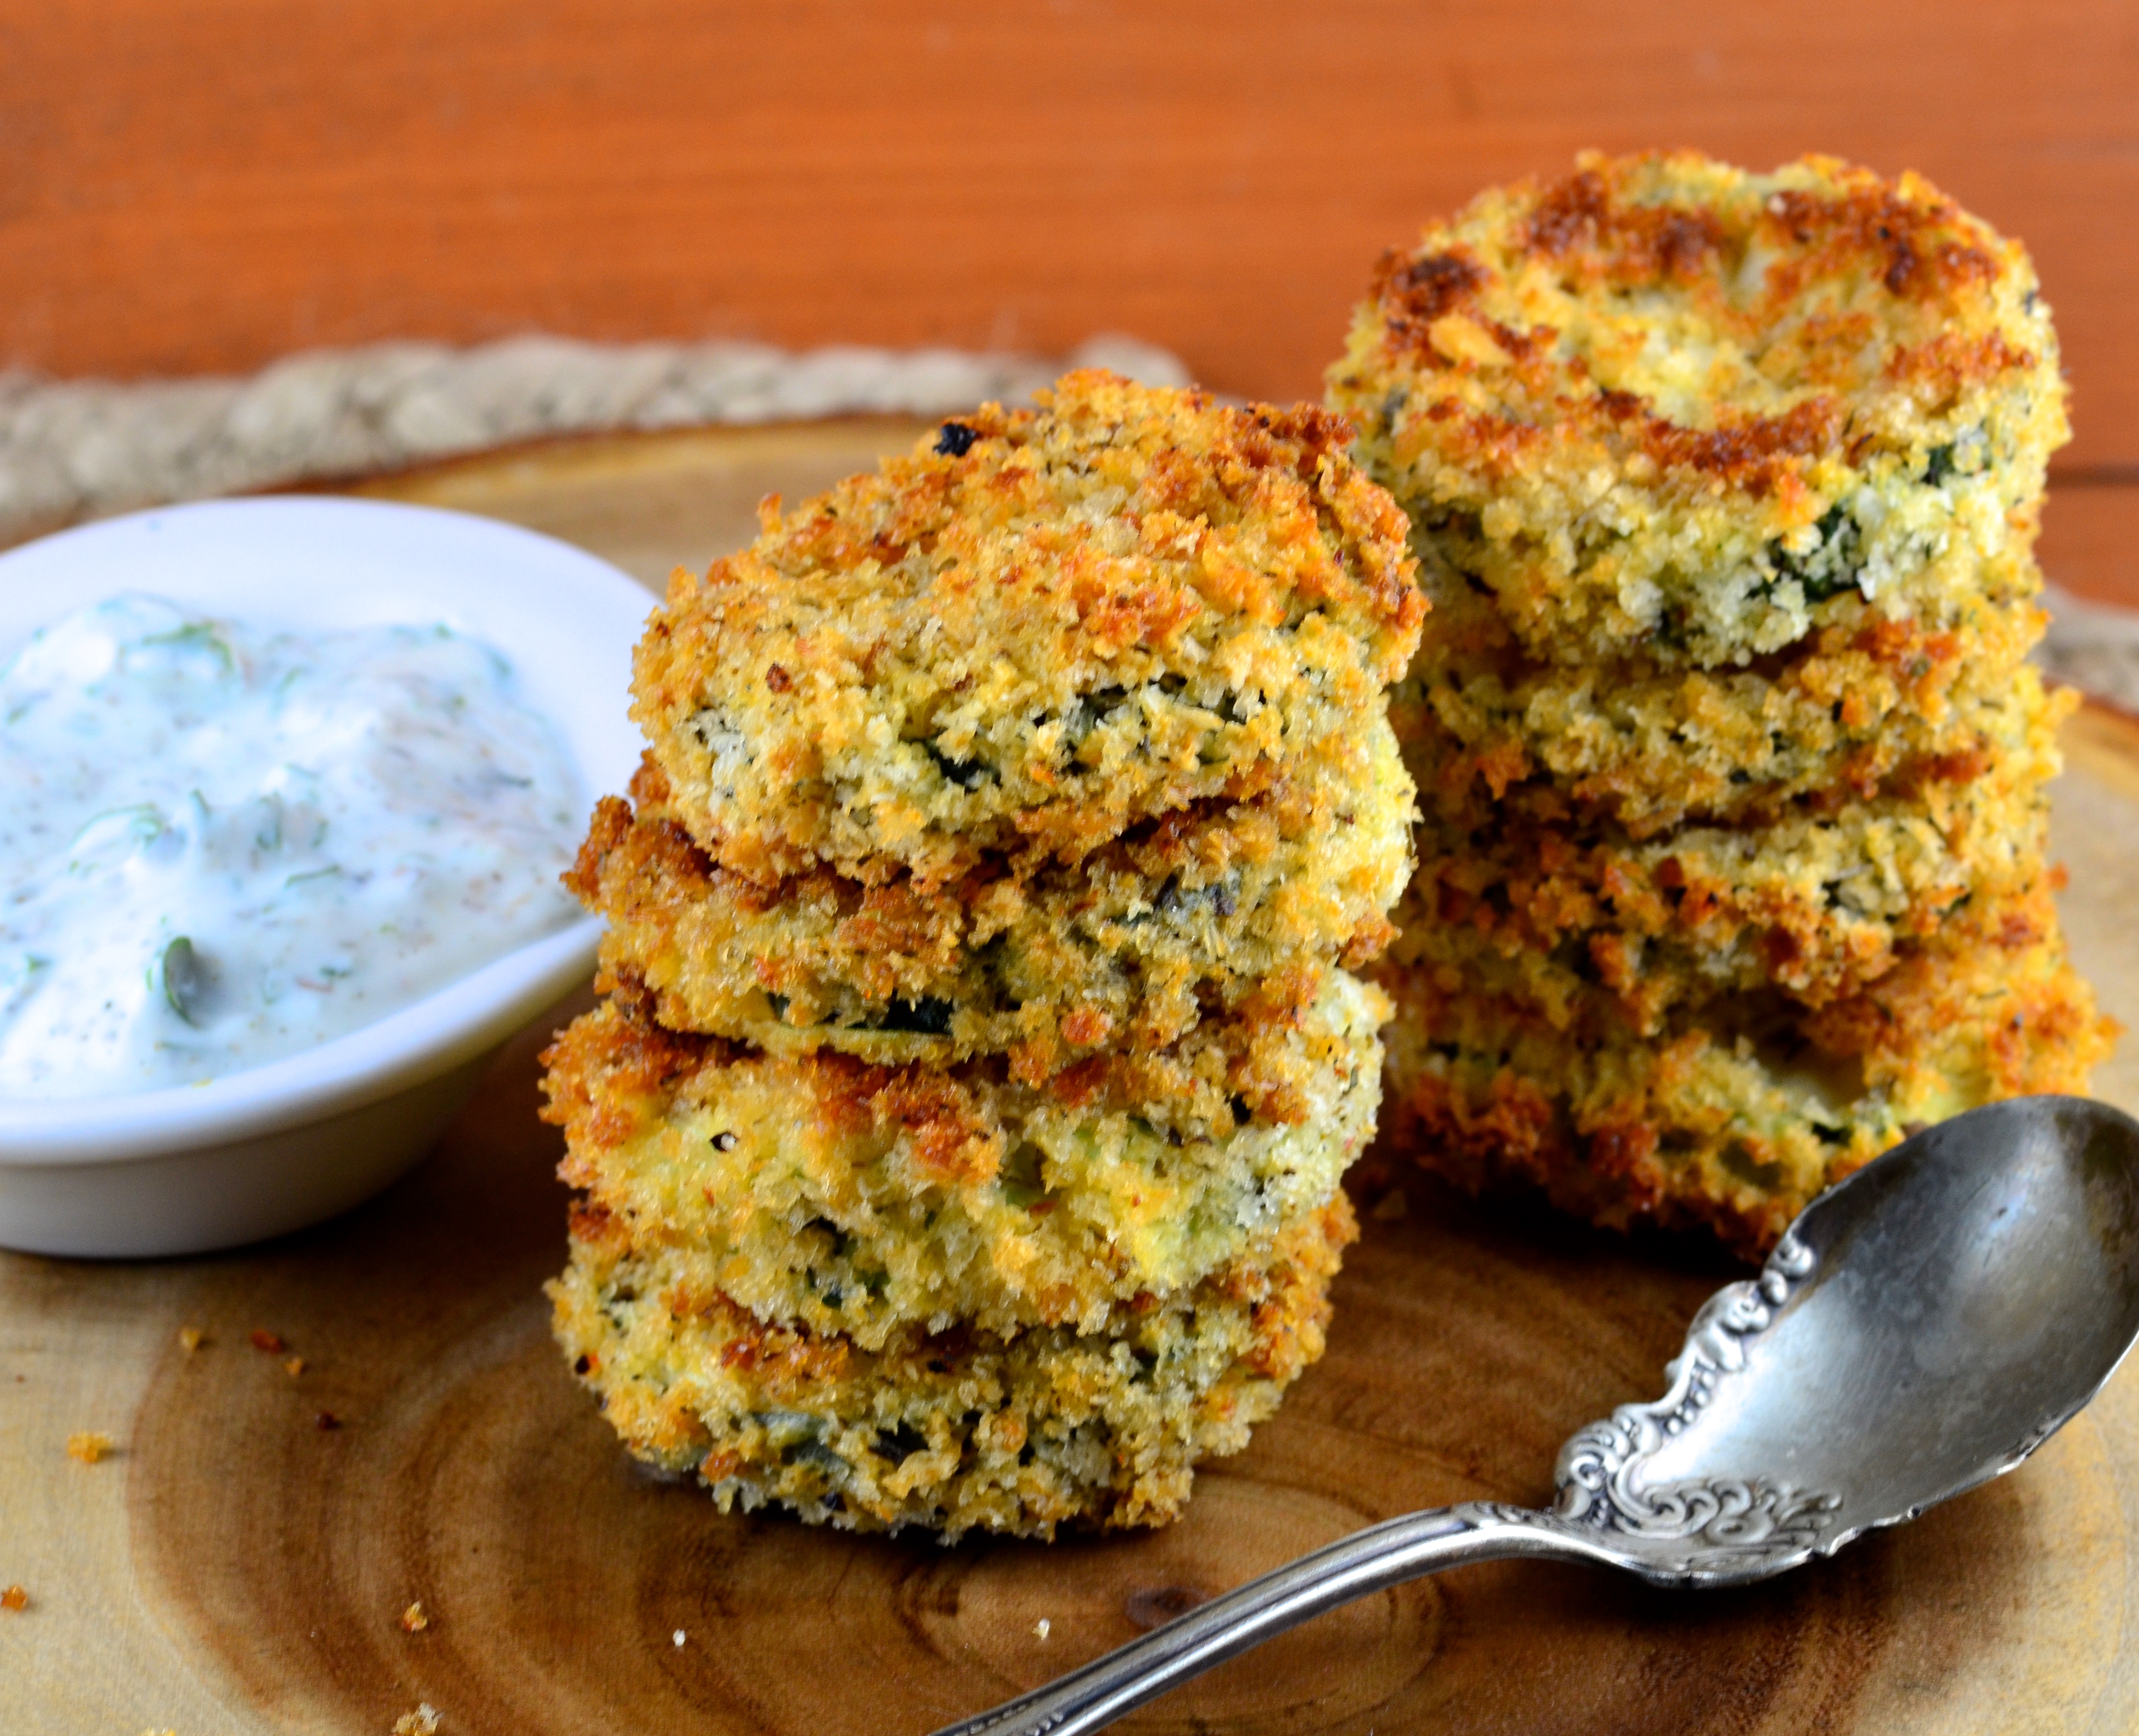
x=2091 y=646
x=74 y=450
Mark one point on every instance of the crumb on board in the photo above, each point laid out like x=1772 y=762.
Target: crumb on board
x=295 y=1367
x=1042 y=1627
x=424 y=1721
x=88 y=1446
x=1390 y=1206
x=414 y=1621
x=677 y=1636
x=14 y=1599
x=327 y=1421
x=191 y=1338
x=266 y=1342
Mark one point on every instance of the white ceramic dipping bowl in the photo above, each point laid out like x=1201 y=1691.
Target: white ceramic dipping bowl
x=253 y=1154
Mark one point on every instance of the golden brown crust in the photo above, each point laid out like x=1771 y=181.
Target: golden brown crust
x=954 y=1429
x=1686 y=227
x=1666 y=405
x=1121 y=602
x=860 y=1199
x=959 y=1138
x=1817 y=904
x=1219 y=909
x=1724 y=488
x=1737 y=1115
x=1865 y=700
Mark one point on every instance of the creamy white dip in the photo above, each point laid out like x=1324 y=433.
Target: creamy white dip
x=220 y=846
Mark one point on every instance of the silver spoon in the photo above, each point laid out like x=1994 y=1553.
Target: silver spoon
x=1921 y=1328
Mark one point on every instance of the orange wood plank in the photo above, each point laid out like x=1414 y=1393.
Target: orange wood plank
x=2091 y=539
x=199 y=187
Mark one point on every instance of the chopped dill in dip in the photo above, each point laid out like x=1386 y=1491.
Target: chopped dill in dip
x=220 y=846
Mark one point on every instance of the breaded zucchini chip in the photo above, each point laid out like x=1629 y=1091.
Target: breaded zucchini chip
x=1743 y=1107
x=951 y=1431
x=861 y=1200
x=1220 y=908
x=1040 y=628
x=1666 y=407
x=1649 y=745
x=1817 y=904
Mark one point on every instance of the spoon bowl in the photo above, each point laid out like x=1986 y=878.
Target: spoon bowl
x=1922 y=1327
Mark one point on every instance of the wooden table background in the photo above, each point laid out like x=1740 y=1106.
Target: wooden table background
x=203 y=187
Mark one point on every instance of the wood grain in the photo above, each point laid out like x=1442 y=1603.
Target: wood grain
x=204 y=187
x=239 y=1567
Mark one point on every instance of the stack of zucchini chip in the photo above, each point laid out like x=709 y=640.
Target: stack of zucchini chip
x=1724 y=489
x=959 y=1137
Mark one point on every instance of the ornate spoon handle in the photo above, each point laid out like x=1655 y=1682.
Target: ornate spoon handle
x=1352 y=1567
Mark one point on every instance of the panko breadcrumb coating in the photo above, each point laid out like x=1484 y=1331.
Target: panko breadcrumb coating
x=1668 y=407
x=1042 y=627
x=958 y=1142
x=963 y=1428
x=861 y=1200
x=1650 y=744
x=1238 y=910
x=1815 y=903
x=1742 y=1107
x=1724 y=488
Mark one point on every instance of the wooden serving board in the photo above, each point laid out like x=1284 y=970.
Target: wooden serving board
x=242 y=1561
